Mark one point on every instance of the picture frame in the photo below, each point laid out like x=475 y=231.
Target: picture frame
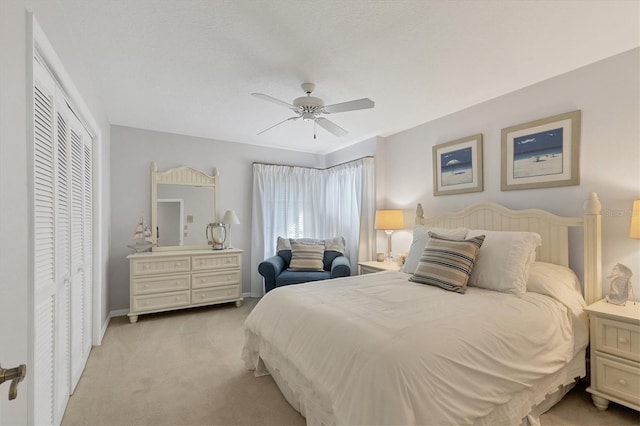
x=543 y=153
x=457 y=166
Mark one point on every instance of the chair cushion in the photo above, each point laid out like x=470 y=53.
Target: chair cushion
x=295 y=277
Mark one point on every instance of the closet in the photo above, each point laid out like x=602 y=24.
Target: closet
x=62 y=247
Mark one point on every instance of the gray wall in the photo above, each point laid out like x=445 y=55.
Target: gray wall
x=133 y=150
x=608 y=94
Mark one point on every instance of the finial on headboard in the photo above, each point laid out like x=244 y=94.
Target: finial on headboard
x=592 y=204
x=419 y=215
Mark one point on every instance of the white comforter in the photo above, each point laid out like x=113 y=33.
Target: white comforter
x=383 y=350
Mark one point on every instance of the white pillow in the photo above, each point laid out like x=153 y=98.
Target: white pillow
x=503 y=260
x=556 y=281
x=420 y=238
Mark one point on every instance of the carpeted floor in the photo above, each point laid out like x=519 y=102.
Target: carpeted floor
x=184 y=368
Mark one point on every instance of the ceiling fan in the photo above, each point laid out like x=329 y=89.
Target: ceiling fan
x=310 y=108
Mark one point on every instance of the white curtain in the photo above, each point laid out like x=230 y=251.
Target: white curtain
x=298 y=202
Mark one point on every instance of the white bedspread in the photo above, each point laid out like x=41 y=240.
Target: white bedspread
x=379 y=349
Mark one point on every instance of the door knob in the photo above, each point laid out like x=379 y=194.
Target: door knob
x=15 y=375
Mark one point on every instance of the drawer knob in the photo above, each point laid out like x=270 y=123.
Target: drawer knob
x=146 y=286
x=622 y=382
x=145 y=267
x=623 y=340
x=177 y=299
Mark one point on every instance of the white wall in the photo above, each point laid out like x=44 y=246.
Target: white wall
x=14 y=175
x=608 y=94
x=133 y=150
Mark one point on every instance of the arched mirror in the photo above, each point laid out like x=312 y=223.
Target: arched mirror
x=183 y=202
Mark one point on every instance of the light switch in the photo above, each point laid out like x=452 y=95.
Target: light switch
x=190 y=218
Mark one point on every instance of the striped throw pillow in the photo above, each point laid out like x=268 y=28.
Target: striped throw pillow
x=447 y=263
x=306 y=257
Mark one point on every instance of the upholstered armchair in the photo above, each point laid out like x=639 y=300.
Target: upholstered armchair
x=304 y=260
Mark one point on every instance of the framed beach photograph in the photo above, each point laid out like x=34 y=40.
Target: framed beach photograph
x=457 y=166
x=542 y=153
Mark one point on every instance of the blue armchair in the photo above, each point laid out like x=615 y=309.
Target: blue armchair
x=276 y=273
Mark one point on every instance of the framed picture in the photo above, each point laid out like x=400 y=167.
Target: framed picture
x=542 y=153
x=457 y=166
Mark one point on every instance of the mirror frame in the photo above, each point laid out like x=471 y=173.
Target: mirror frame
x=184 y=176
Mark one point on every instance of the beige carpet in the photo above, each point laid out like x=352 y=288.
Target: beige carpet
x=184 y=368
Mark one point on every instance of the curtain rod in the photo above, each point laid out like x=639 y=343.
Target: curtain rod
x=316 y=168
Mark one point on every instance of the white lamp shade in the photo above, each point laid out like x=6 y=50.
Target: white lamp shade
x=230 y=218
x=389 y=219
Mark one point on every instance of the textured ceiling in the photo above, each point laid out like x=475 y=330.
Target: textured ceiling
x=189 y=66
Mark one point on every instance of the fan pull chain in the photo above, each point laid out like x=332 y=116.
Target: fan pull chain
x=314 y=129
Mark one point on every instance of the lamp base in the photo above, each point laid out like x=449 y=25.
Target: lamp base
x=389 y=255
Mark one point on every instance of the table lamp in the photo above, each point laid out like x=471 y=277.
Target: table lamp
x=230 y=218
x=388 y=221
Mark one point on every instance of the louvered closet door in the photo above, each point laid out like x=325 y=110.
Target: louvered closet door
x=44 y=247
x=62 y=376
x=81 y=215
x=63 y=251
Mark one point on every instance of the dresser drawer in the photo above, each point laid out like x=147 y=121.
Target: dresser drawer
x=161 y=301
x=220 y=278
x=618 y=379
x=218 y=261
x=215 y=294
x=618 y=338
x=160 y=284
x=162 y=265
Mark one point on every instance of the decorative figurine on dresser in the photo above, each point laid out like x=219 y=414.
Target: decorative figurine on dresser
x=183 y=270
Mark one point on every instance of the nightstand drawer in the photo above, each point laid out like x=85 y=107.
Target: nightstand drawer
x=210 y=279
x=204 y=263
x=161 y=301
x=207 y=295
x=618 y=379
x=161 y=265
x=160 y=284
x=618 y=338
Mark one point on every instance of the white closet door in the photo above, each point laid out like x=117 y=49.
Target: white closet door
x=77 y=254
x=63 y=276
x=63 y=251
x=44 y=247
x=87 y=221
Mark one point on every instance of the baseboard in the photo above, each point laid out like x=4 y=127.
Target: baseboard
x=103 y=330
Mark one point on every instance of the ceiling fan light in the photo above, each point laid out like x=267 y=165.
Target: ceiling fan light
x=308 y=116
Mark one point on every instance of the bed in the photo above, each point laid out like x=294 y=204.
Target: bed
x=385 y=348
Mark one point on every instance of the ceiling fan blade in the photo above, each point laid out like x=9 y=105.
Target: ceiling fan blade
x=277 y=124
x=274 y=100
x=363 y=103
x=331 y=127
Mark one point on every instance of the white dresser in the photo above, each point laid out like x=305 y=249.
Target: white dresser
x=615 y=354
x=168 y=280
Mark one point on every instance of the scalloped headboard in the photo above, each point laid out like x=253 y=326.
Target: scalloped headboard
x=553 y=229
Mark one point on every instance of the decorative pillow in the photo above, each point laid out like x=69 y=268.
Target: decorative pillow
x=306 y=257
x=447 y=263
x=503 y=263
x=420 y=237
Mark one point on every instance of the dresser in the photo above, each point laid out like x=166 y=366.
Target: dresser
x=615 y=354
x=373 y=266
x=168 y=280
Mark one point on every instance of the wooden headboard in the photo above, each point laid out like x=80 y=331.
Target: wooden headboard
x=553 y=229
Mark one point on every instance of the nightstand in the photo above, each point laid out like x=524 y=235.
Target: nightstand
x=373 y=266
x=615 y=354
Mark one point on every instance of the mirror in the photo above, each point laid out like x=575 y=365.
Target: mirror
x=183 y=202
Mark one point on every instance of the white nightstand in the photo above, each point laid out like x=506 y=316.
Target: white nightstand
x=373 y=266
x=615 y=354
